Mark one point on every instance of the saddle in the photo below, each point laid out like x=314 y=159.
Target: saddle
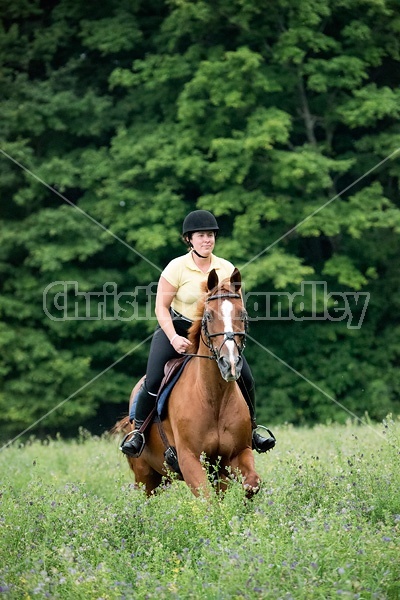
x=172 y=371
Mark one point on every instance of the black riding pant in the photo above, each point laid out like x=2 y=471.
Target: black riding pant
x=161 y=351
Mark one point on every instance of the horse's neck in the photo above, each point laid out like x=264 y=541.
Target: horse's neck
x=210 y=376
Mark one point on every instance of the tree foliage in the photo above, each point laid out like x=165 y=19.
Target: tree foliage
x=118 y=118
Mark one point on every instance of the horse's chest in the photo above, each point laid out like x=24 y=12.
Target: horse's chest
x=224 y=442
x=216 y=434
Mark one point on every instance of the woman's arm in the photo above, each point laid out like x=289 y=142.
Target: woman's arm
x=165 y=295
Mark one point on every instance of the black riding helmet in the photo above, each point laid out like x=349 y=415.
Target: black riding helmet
x=199 y=220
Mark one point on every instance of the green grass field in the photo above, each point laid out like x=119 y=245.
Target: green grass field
x=326 y=523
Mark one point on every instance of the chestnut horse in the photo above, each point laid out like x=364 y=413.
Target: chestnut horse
x=207 y=416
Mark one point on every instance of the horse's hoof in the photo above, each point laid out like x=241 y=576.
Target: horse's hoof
x=250 y=491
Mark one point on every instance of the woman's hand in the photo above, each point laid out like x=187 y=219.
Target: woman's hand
x=180 y=343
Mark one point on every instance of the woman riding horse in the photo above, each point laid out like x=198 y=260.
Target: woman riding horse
x=178 y=291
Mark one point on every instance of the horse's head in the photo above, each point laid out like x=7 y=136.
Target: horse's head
x=224 y=323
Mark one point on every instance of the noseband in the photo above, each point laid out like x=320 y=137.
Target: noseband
x=228 y=335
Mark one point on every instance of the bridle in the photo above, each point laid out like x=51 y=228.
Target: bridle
x=228 y=335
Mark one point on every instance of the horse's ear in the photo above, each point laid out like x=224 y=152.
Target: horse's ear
x=236 y=280
x=212 y=280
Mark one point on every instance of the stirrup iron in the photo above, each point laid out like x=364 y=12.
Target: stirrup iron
x=265 y=433
x=171 y=458
x=143 y=441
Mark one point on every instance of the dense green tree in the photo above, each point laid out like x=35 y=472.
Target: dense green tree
x=117 y=119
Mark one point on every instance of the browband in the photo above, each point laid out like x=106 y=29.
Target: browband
x=219 y=296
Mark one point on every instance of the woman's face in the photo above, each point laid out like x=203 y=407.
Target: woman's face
x=203 y=242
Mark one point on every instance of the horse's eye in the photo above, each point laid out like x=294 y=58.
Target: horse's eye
x=208 y=316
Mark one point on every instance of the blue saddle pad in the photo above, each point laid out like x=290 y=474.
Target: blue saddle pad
x=163 y=395
x=162 y=399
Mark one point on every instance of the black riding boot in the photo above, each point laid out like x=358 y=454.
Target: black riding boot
x=261 y=443
x=144 y=405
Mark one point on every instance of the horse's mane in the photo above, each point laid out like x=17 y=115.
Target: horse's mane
x=195 y=329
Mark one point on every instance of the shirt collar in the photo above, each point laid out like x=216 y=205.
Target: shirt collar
x=193 y=267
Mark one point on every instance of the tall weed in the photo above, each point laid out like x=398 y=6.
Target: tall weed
x=325 y=523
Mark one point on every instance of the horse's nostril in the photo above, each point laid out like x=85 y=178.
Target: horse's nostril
x=223 y=362
x=229 y=371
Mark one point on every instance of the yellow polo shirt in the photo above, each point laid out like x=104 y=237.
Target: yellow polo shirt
x=186 y=277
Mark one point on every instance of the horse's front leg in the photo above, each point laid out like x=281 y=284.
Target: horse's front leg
x=144 y=474
x=194 y=474
x=244 y=462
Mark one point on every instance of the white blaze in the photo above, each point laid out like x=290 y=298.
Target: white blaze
x=226 y=309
